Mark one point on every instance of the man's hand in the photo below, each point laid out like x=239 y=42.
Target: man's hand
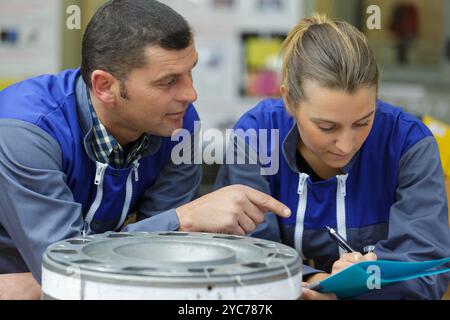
x=19 y=286
x=235 y=209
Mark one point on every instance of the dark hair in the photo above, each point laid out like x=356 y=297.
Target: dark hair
x=119 y=32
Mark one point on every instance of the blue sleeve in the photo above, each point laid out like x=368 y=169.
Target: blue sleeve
x=250 y=175
x=37 y=207
x=176 y=185
x=244 y=169
x=418 y=223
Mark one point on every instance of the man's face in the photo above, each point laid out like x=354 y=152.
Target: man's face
x=159 y=93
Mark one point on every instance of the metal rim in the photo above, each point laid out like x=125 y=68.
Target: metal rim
x=227 y=259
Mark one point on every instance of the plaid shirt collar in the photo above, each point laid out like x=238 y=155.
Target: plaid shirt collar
x=108 y=150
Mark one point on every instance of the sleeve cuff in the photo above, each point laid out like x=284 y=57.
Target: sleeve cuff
x=307 y=271
x=164 y=221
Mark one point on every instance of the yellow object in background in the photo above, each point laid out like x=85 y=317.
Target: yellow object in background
x=261 y=51
x=7 y=82
x=441 y=132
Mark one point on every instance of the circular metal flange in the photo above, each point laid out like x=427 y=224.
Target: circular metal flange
x=173 y=259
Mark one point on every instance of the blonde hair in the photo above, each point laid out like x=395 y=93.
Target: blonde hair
x=332 y=53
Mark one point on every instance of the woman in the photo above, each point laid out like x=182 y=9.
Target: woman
x=347 y=160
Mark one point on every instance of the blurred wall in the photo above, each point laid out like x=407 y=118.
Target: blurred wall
x=72 y=39
x=419 y=88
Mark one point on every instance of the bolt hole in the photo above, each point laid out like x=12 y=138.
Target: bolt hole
x=86 y=262
x=64 y=251
x=264 y=245
x=201 y=270
x=78 y=241
x=177 y=234
x=119 y=235
x=138 y=269
x=255 y=265
x=228 y=237
x=279 y=255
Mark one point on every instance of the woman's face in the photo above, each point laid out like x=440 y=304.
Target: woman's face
x=333 y=124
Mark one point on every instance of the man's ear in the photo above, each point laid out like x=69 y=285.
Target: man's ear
x=104 y=86
x=284 y=93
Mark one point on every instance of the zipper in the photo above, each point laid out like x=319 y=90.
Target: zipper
x=99 y=176
x=100 y=173
x=302 y=191
x=136 y=170
x=340 y=207
x=128 y=197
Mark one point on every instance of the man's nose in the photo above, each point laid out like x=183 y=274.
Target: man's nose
x=188 y=92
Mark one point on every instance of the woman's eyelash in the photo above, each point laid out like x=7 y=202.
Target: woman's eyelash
x=359 y=125
x=327 y=129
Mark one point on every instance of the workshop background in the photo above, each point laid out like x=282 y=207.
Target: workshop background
x=238 y=43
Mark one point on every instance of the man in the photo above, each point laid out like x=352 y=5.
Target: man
x=81 y=150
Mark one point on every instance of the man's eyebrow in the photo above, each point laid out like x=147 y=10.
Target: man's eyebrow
x=174 y=75
x=329 y=121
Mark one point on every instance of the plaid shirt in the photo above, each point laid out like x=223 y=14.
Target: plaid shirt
x=108 y=150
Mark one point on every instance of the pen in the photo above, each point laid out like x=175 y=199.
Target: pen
x=344 y=245
x=341 y=243
x=339 y=240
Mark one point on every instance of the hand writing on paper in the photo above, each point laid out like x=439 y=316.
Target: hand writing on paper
x=344 y=261
x=347 y=259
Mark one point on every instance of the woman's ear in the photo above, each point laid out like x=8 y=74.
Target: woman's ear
x=284 y=93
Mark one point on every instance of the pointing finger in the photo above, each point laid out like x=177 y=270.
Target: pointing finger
x=267 y=203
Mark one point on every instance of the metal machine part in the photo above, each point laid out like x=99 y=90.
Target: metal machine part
x=170 y=265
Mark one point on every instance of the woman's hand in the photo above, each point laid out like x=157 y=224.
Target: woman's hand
x=347 y=259
x=308 y=294
x=344 y=261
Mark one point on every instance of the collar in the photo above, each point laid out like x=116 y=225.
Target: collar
x=103 y=143
x=289 y=149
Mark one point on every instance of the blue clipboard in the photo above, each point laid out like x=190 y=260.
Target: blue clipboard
x=360 y=277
